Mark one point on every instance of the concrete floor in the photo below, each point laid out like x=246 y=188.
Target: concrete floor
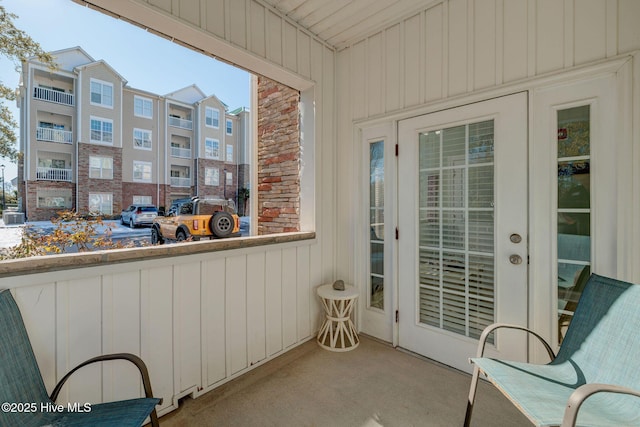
x=373 y=385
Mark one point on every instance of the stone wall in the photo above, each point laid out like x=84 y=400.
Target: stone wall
x=278 y=158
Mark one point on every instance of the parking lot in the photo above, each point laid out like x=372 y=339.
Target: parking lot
x=10 y=235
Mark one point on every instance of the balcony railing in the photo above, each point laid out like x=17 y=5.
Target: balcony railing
x=54 y=135
x=181 y=152
x=180 y=182
x=180 y=123
x=54 y=96
x=53 y=174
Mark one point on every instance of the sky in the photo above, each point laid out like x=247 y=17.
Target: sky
x=146 y=61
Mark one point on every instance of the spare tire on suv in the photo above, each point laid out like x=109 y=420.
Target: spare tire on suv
x=222 y=224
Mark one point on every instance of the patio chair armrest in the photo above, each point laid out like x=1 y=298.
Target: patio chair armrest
x=146 y=381
x=485 y=334
x=583 y=392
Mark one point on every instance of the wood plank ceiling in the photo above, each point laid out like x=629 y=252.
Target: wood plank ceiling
x=343 y=22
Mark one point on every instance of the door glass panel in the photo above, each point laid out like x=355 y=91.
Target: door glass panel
x=574 y=210
x=376 y=224
x=456 y=223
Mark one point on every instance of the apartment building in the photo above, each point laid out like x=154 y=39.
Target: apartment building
x=91 y=143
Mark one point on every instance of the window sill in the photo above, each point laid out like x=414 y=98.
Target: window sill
x=44 y=264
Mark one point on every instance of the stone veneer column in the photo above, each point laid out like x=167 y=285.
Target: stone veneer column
x=278 y=158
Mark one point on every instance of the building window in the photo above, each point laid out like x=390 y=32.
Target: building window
x=101 y=93
x=229 y=153
x=101 y=203
x=212 y=117
x=100 y=167
x=142 y=171
x=101 y=130
x=142 y=107
x=229 y=127
x=142 y=139
x=211 y=148
x=142 y=200
x=54 y=198
x=211 y=176
x=229 y=177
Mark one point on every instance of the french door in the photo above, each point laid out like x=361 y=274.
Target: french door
x=462 y=215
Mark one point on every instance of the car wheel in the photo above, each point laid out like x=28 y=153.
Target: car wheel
x=222 y=224
x=180 y=236
x=156 y=238
x=131 y=224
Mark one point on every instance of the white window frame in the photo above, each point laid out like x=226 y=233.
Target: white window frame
x=102 y=131
x=229 y=126
x=142 y=107
x=212 y=117
x=213 y=152
x=144 y=137
x=229 y=153
x=104 y=199
x=102 y=170
x=142 y=200
x=229 y=178
x=214 y=179
x=144 y=165
x=103 y=85
x=44 y=194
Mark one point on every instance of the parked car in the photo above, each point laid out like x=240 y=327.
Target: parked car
x=197 y=219
x=137 y=215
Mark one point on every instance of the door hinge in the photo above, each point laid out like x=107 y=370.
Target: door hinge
x=397 y=315
x=397 y=233
x=397 y=150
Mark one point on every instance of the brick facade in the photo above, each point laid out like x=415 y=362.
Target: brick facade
x=90 y=185
x=278 y=158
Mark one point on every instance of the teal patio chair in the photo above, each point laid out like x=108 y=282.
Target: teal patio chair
x=595 y=378
x=21 y=384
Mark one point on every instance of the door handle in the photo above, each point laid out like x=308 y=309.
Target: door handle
x=515 y=259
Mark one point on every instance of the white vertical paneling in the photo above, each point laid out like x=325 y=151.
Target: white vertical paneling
x=590 y=31
x=256 y=312
x=162 y=4
x=214 y=312
x=433 y=53
x=303 y=293
x=257 y=29
x=290 y=48
x=515 y=23
x=484 y=43
x=214 y=17
x=457 y=34
x=39 y=303
x=612 y=27
x=78 y=330
x=186 y=297
x=156 y=330
x=375 y=75
x=392 y=69
x=412 y=61
x=289 y=297
x=121 y=334
x=189 y=10
x=628 y=28
x=237 y=22
x=236 y=309
x=273 y=36
x=273 y=302
x=569 y=31
x=304 y=54
x=357 y=86
x=550 y=30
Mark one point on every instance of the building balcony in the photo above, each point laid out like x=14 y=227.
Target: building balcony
x=180 y=182
x=53 y=174
x=184 y=153
x=180 y=123
x=54 y=135
x=55 y=96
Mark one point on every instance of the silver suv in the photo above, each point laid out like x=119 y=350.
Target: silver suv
x=136 y=215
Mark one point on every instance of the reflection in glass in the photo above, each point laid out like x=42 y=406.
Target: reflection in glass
x=376 y=224
x=574 y=210
x=456 y=228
